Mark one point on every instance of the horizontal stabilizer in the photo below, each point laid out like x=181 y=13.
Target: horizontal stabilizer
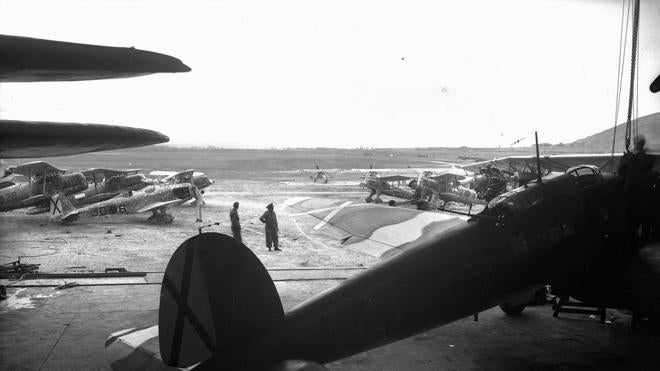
x=135 y=349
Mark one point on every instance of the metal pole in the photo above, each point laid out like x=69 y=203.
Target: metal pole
x=538 y=159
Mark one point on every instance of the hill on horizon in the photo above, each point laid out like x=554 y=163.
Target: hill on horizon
x=649 y=126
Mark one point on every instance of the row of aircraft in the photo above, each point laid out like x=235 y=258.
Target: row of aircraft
x=476 y=183
x=98 y=192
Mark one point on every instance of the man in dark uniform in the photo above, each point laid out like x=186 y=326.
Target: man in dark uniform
x=270 y=219
x=235 y=223
x=635 y=169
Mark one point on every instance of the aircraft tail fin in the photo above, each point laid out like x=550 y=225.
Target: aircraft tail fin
x=216 y=297
x=61 y=208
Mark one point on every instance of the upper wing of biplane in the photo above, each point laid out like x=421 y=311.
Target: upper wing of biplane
x=101 y=173
x=394 y=178
x=180 y=177
x=557 y=162
x=26 y=59
x=35 y=168
x=376 y=230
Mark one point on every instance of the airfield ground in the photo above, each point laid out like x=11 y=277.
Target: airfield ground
x=44 y=328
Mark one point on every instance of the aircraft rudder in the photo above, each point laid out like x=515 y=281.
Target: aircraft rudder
x=60 y=207
x=216 y=297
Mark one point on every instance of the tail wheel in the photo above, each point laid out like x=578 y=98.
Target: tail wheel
x=512 y=310
x=391 y=203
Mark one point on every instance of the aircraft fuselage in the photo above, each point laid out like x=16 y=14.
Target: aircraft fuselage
x=536 y=235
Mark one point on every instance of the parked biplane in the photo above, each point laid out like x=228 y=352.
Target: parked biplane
x=426 y=188
x=43 y=181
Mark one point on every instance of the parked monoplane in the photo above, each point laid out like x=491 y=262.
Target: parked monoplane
x=156 y=199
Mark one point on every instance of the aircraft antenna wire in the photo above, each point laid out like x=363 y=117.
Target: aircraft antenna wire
x=633 y=65
x=623 y=39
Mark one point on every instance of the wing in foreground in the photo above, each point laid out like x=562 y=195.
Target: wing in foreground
x=21 y=139
x=376 y=230
x=26 y=59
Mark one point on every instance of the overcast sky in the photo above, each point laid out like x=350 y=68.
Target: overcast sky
x=306 y=73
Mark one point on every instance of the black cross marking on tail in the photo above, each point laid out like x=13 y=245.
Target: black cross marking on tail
x=184 y=311
x=54 y=203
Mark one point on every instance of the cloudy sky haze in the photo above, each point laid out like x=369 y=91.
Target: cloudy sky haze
x=299 y=73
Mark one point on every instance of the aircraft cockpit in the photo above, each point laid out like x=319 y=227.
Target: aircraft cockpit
x=516 y=200
x=182 y=193
x=586 y=175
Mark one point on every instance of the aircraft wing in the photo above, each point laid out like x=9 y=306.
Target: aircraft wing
x=181 y=177
x=377 y=230
x=26 y=59
x=21 y=139
x=100 y=173
x=35 y=168
x=552 y=162
x=395 y=178
x=159 y=205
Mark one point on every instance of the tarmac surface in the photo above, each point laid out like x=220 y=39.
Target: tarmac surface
x=42 y=328
x=47 y=329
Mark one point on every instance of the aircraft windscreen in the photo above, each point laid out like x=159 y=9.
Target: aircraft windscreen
x=182 y=193
x=515 y=200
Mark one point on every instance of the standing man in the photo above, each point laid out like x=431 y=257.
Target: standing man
x=199 y=203
x=235 y=223
x=270 y=219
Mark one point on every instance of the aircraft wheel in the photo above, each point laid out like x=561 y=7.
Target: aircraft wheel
x=512 y=310
x=422 y=205
x=391 y=203
x=368 y=200
x=168 y=219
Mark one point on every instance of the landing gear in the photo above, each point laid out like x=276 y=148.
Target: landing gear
x=512 y=310
x=160 y=217
x=391 y=203
x=422 y=205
